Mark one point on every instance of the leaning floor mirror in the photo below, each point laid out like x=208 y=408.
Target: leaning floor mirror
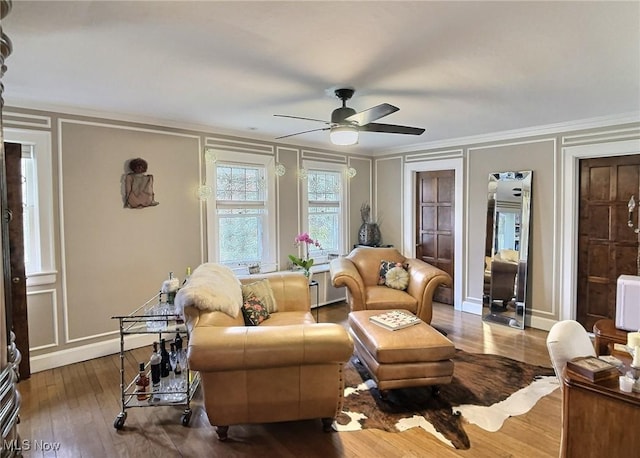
x=506 y=248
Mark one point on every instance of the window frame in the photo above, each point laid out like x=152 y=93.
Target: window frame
x=30 y=208
x=342 y=213
x=44 y=271
x=268 y=262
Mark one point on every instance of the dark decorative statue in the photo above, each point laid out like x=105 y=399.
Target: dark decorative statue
x=369 y=232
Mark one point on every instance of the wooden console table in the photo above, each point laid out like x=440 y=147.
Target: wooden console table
x=598 y=419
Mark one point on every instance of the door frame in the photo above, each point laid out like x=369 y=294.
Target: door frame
x=570 y=176
x=411 y=170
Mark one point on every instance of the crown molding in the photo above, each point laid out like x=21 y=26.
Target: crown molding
x=171 y=124
x=548 y=129
x=588 y=123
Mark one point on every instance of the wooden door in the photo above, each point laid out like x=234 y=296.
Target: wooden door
x=435 y=224
x=607 y=246
x=19 y=322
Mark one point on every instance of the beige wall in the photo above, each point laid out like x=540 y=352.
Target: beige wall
x=360 y=194
x=110 y=259
x=537 y=156
x=389 y=199
x=543 y=154
x=289 y=212
x=115 y=257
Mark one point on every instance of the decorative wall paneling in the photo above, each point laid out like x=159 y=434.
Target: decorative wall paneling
x=104 y=246
x=11 y=119
x=434 y=155
x=239 y=146
x=540 y=156
x=43 y=319
x=382 y=184
x=387 y=200
x=310 y=155
x=600 y=137
x=360 y=192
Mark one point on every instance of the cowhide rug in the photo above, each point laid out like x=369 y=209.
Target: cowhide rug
x=485 y=390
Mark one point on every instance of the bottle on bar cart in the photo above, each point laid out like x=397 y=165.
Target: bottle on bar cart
x=155 y=362
x=142 y=384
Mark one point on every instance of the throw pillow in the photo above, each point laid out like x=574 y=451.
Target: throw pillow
x=397 y=278
x=254 y=310
x=385 y=266
x=262 y=290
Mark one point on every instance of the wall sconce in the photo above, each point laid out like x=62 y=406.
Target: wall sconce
x=632 y=206
x=210 y=156
x=636 y=228
x=351 y=172
x=280 y=170
x=204 y=192
x=302 y=174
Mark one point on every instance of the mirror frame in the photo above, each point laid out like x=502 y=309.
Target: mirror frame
x=507 y=248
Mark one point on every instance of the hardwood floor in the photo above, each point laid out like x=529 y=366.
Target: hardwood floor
x=74 y=407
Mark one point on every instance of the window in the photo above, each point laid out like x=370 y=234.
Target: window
x=325 y=209
x=37 y=196
x=243 y=218
x=240 y=203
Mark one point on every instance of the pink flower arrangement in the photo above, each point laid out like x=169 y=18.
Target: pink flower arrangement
x=306 y=238
x=305 y=263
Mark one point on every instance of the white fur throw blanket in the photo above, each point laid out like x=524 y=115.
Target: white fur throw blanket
x=211 y=287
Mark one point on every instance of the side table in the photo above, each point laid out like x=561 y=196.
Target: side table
x=606 y=335
x=598 y=419
x=314 y=284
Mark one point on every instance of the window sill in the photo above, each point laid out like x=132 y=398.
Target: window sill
x=318 y=268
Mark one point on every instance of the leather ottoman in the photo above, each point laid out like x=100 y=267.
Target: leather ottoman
x=414 y=356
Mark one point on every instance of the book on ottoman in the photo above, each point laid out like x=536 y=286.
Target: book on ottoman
x=395 y=319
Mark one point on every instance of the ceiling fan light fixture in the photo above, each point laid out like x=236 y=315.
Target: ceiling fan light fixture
x=344 y=135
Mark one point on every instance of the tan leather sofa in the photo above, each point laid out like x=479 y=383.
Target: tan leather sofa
x=359 y=272
x=287 y=368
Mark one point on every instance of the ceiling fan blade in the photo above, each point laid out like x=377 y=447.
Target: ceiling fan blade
x=300 y=117
x=373 y=113
x=391 y=129
x=303 y=132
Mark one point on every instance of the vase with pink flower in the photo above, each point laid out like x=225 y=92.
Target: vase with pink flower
x=304 y=240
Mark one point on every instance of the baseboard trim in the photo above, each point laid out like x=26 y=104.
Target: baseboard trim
x=472 y=306
x=86 y=352
x=540 y=323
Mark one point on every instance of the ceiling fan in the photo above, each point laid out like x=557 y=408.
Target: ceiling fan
x=346 y=123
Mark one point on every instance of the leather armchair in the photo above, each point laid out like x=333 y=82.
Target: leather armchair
x=359 y=272
x=287 y=368
x=503 y=280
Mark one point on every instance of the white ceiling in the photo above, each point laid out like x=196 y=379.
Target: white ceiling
x=458 y=69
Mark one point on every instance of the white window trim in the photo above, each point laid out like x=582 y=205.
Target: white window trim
x=43 y=168
x=269 y=263
x=343 y=234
